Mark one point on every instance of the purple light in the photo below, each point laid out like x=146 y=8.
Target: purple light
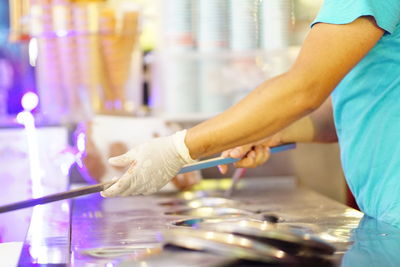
x=30 y=101
x=81 y=142
x=61 y=33
x=24 y=118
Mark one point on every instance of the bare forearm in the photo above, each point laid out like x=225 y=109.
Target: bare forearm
x=269 y=108
x=301 y=131
x=317 y=127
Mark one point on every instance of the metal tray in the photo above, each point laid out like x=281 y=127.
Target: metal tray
x=226 y=244
x=285 y=237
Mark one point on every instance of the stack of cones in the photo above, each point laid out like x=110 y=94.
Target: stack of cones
x=48 y=74
x=19 y=11
x=116 y=48
x=89 y=62
x=84 y=57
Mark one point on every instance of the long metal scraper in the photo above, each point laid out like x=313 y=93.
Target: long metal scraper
x=102 y=186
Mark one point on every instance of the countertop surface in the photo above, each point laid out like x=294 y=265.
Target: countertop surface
x=92 y=231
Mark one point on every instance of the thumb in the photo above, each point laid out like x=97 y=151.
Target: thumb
x=121 y=160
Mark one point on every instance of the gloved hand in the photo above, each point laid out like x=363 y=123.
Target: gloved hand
x=251 y=155
x=151 y=165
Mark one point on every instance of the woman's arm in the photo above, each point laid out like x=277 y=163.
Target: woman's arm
x=327 y=55
x=317 y=127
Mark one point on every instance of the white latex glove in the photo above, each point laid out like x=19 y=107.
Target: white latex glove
x=151 y=165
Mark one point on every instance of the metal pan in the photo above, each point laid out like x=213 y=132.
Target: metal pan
x=197 y=222
x=111 y=252
x=210 y=212
x=226 y=244
x=206 y=212
x=202 y=202
x=284 y=237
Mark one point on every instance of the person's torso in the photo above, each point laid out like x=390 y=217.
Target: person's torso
x=367 y=117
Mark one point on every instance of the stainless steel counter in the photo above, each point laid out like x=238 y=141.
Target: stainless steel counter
x=128 y=231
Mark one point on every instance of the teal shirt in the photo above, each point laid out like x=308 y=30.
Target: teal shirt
x=367 y=110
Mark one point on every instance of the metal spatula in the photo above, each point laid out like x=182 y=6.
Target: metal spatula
x=102 y=186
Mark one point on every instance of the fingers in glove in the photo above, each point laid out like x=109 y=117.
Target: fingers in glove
x=121 y=160
x=116 y=189
x=121 y=185
x=149 y=192
x=146 y=186
x=143 y=188
x=135 y=186
x=130 y=191
x=109 y=184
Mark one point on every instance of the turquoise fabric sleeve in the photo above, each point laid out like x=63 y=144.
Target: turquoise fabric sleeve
x=385 y=12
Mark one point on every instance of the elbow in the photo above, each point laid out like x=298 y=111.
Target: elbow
x=310 y=92
x=311 y=101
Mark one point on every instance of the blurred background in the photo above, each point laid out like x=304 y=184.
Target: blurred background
x=83 y=80
x=129 y=57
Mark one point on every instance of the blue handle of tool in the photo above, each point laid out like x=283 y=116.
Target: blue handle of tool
x=277 y=149
x=221 y=161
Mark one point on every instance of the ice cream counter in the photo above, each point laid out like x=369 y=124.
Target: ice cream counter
x=267 y=221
